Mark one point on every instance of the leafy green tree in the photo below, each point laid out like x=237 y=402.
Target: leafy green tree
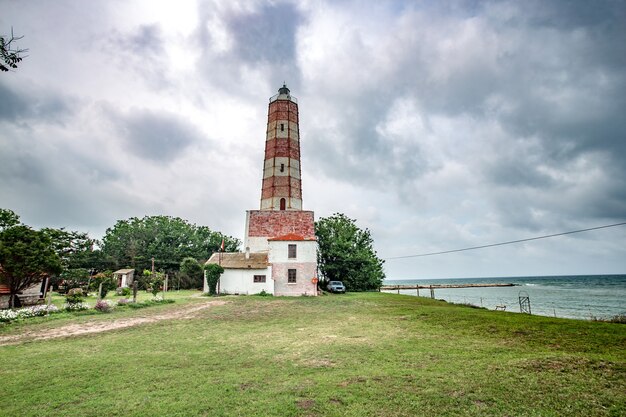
x=213 y=272
x=346 y=253
x=8 y=219
x=26 y=258
x=79 y=257
x=134 y=242
x=70 y=245
x=192 y=273
x=74 y=278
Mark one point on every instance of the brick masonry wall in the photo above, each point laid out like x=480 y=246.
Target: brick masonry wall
x=287 y=148
x=270 y=223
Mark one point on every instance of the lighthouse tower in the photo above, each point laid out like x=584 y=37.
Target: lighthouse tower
x=280 y=246
x=282 y=186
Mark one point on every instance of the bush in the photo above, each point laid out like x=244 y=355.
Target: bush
x=7 y=315
x=76 y=306
x=74 y=296
x=264 y=293
x=160 y=300
x=123 y=291
x=620 y=318
x=104 y=306
x=213 y=272
x=123 y=301
x=148 y=303
x=24 y=313
x=107 y=281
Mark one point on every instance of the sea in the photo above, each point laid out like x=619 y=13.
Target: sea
x=585 y=297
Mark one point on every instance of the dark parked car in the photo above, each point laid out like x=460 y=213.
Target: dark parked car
x=336 y=286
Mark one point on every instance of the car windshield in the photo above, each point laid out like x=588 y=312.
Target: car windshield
x=336 y=283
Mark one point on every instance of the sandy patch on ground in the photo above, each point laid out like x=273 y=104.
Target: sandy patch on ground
x=186 y=312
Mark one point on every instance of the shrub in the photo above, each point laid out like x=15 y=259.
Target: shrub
x=107 y=281
x=24 y=313
x=42 y=310
x=137 y=305
x=620 y=318
x=123 y=301
x=76 y=306
x=7 y=315
x=213 y=272
x=160 y=300
x=264 y=293
x=104 y=306
x=124 y=291
x=74 y=296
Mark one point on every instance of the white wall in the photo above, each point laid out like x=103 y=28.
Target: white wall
x=305 y=264
x=306 y=251
x=241 y=281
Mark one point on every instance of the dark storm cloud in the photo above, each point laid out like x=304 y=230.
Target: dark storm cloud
x=50 y=182
x=267 y=34
x=548 y=72
x=25 y=104
x=142 y=50
x=259 y=38
x=156 y=136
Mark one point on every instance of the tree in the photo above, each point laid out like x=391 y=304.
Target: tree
x=26 y=258
x=134 y=242
x=191 y=272
x=346 y=254
x=73 y=278
x=8 y=219
x=213 y=272
x=9 y=57
x=72 y=247
x=78 y=256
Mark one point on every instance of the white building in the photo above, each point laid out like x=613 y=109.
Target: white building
x=281 y=248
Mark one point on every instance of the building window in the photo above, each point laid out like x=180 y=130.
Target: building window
x=282 y=167
x=291 y=276
x=291 y=251
x=259 y=278
x=283 y=203
x=282 y=127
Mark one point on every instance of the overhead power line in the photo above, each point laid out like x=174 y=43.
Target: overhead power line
x=507 y=243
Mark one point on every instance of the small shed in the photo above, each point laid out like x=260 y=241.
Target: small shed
x=124 y=277
x=32 y=295
x=244 y=273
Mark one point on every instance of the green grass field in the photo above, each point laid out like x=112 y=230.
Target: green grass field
x=367 y=354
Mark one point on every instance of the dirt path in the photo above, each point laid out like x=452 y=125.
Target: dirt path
x=186 y=312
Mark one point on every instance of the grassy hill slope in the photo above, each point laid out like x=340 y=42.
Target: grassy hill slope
x=354 y=355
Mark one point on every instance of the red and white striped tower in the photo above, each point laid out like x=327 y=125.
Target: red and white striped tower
x=282 y=186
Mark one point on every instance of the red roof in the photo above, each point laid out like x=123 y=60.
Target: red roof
x=290 y=236
x=4 y=289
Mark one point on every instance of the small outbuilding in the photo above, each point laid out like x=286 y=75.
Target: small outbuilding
x=244 y=273
x=32 y=295
x=124 y=277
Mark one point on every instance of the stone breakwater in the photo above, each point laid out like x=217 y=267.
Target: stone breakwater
x=435 y=286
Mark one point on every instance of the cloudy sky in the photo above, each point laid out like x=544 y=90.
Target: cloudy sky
x=436 y=124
